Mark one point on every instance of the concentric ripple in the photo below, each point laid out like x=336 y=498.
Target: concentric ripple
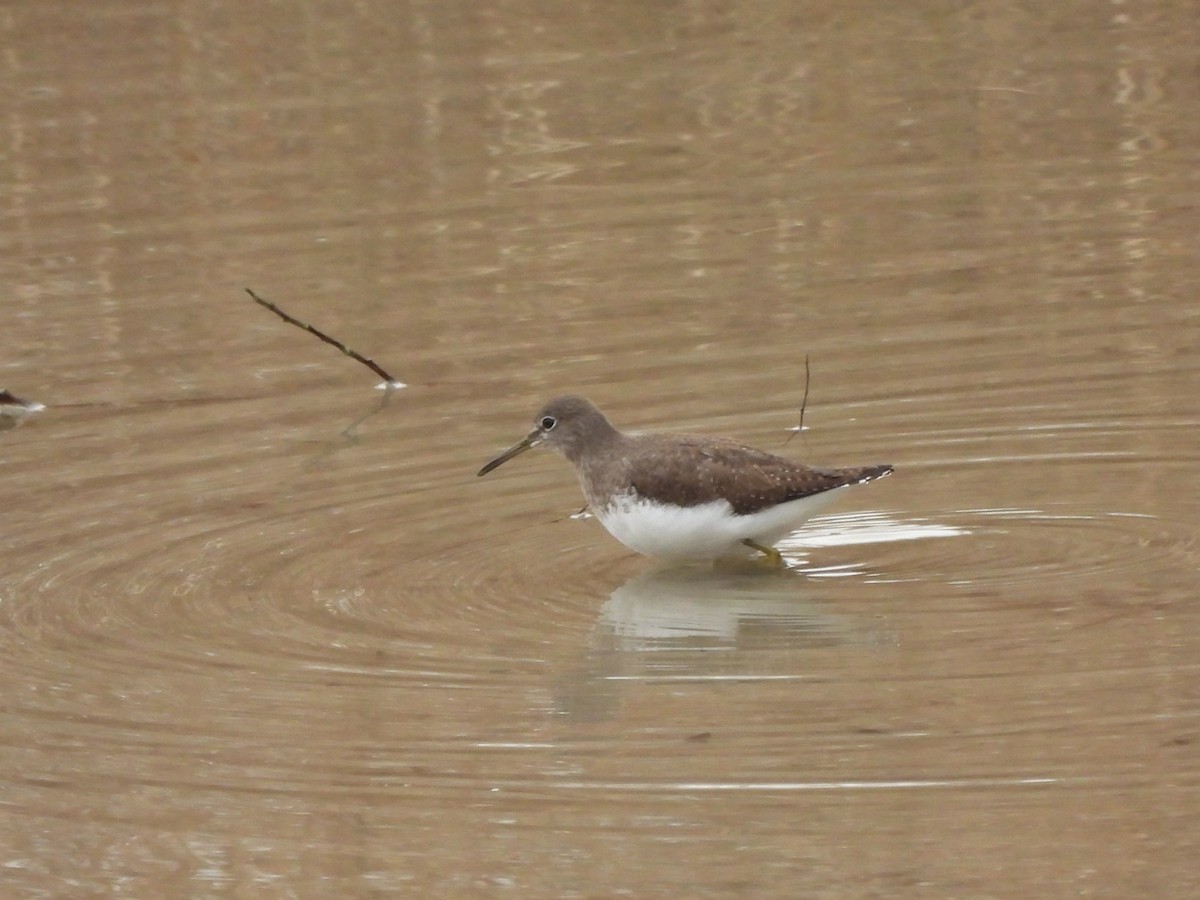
x=213 y=567
x=349 y=576
x=995 y=547
x=174 y=596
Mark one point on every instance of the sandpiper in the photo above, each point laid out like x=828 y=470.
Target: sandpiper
x=681 y=496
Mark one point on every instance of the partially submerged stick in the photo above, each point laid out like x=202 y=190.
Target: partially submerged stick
x=14 y=410
x=803 y=404
x=389 y=382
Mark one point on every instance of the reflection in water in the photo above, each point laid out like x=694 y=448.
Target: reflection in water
x=849 y=529
x=701 y=609
x=869 y=528
x=349 y=434
x=799 y=786
x=698 y=623
x=730 y=621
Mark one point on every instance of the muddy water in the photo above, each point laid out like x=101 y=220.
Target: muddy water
x=262 y=631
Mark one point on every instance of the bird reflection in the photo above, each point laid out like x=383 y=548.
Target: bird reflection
x=699 y=624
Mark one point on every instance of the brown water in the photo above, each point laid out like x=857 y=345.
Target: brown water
x=264 y=634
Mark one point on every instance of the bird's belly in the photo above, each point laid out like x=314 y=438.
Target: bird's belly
x=707 y=531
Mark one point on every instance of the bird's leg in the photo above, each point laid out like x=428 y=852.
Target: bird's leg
x=772 y=555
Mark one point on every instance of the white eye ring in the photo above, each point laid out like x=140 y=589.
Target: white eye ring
x=548 y=423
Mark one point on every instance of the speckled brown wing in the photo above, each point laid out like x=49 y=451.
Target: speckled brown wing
x=689 y=470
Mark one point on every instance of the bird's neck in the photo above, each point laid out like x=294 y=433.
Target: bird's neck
x=601 y=438
x=601 y=466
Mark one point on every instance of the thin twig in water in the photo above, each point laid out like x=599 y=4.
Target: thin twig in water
x=803 y=403
x=350 y=434
x=14 y=410
x=389 y=381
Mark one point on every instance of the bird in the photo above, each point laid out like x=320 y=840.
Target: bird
x=680 y=497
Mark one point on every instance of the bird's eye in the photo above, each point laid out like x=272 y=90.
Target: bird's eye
x=548 y=422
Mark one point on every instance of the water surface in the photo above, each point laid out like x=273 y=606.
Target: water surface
x=263 y=632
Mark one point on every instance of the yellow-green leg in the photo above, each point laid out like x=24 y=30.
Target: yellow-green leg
x=772 y=555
